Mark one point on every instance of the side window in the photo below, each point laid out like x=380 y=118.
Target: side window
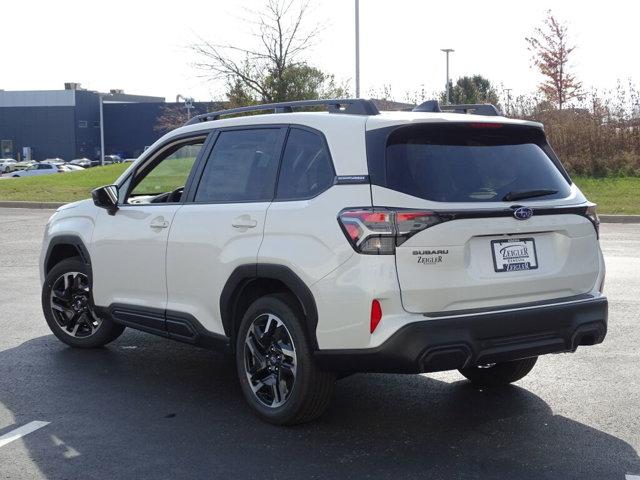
x=306 y=166
x=242 y=167
x=163 y=180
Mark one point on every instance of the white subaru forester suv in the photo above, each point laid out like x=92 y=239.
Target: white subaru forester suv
x=314 y=244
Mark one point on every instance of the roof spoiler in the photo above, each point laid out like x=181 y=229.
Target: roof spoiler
x=468 y=108
x=353 y=106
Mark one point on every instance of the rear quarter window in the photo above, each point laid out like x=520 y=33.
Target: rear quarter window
x=469 y=162
x=306 y=169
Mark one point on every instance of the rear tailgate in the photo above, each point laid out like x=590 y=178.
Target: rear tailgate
x=461 y=245
x=465 y=264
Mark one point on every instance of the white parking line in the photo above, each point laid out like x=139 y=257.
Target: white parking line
x=632 y=477
x=21 y=432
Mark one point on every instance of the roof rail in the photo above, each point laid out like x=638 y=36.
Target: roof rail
x=469 y=108
x=428 y=106
x=353 y=106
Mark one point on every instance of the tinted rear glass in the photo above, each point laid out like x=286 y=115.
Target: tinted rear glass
x=242 y=167
x=471 y=162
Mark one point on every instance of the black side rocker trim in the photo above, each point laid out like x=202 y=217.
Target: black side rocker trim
x=477 y=339
x=179 y=326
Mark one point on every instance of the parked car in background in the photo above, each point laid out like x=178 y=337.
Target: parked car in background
x=54 y=161
x=108 y=159
x=42 y=168
x=14 y=167
x=81 y=162
x=72 y=168
x=5 y=164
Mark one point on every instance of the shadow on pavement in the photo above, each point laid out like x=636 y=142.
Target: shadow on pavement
x=146 y=407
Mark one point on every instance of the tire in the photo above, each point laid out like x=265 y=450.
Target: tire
x=294 y=390
x=75 y=302
x=499 y=374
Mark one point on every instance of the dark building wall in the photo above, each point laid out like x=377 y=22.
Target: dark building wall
x=130 y=127
x=66 y=123
x=49 y=130
x=87 y=125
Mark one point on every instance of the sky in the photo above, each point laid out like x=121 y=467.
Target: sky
x=143 y=47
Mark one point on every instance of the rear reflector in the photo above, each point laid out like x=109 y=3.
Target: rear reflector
x=376 y=315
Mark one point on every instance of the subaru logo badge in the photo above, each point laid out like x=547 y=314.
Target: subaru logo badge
x=523 y=213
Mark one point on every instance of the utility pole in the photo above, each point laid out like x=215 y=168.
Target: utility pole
x=357 y=48
x=508 y=90
x=447 y=51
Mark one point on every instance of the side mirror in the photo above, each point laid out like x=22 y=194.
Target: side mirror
x=106 y=197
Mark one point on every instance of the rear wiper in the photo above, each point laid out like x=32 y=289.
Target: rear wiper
x=511 y=196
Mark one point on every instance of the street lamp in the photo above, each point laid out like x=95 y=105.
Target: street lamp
x=357 y=48
x=101 y=98
x=188 y=104
x=447 y=51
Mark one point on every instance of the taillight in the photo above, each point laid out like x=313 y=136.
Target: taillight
x=592 y=215
x=377 y=231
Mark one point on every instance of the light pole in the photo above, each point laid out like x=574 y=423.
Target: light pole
x=447 y=51
x=101 y=97
x=357 y=48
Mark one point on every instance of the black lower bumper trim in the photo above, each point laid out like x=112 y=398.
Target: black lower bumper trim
x=452 y=343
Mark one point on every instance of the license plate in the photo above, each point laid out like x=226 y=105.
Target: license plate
x=514 y=254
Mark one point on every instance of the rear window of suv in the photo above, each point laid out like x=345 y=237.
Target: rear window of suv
x=470 y=162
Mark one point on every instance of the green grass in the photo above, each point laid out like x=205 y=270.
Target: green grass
x=63 y=187
x=619 y=195
x=612 y=194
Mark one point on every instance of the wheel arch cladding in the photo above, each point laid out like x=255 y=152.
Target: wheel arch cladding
x=249 y=282
x=63 y=247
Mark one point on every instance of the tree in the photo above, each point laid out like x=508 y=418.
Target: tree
x=476 y=89
x=550 y=48
x=171 y=116
x=273 y=70
x=174 y=115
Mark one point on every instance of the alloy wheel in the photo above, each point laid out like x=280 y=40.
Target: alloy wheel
x=270 y=360
x=72 y=306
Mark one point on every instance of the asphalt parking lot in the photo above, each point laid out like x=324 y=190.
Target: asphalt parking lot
x=146 y=407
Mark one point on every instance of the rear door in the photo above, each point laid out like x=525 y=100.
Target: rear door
x=506 y=226
x=221 y=224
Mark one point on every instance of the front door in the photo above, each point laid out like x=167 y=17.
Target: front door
x=128 y=249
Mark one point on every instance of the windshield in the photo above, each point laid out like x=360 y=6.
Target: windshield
x=472 y=163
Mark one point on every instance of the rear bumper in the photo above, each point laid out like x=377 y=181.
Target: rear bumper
x=476 y=339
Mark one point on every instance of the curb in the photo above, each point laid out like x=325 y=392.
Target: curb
x=37 y=205
x=619 y=218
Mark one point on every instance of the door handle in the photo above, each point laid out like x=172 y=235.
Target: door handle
x=244 y=221
x=159 y=223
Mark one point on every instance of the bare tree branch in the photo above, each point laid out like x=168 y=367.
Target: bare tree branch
x=282 y=37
